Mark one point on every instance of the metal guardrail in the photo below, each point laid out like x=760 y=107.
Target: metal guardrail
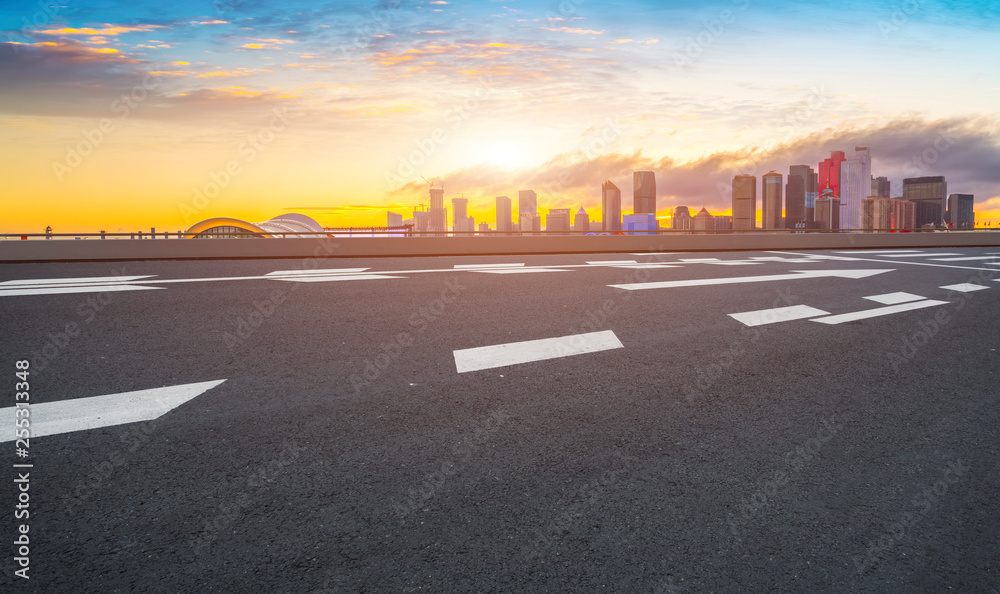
x=339 y=232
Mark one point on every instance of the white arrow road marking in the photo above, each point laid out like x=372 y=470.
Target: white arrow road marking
x=78 y=414
x=795 y=275
x=880 y=311
x=965 y=287
x=478 y=266
x=515 y=353
x=78 y=289
x=964 y=258
x=93 y=280
x=778 y=314
x=894 y=298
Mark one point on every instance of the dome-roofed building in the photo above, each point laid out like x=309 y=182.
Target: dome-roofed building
x=292 y=224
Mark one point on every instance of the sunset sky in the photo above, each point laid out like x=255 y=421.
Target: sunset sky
x=129 y=115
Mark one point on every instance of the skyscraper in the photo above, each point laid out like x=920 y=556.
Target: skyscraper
x=611 y=207
x=682 y=220
x=828 y=210
x=437 y=215
x=744 y=202
x=643 y=192
x=771 y=200
x=504 y=221
x=704 y=221
x=557 y=220
x=855 y=184
x=880 y=187
x=581 y=224
x=460 y=214
x=800 y=195
x=527 y=211
x=930 y=194
x=880 y=213
x=394 y=219
x=960 y=214
x=829 y=172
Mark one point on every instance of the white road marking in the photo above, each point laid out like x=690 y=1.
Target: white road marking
x=695 y=260
x=778 y=314
x=894 y=298
x=337 y=277
x=515 y=353
x=964 y=258
x=965 y=287
x=78 y=414
x=72 y=289
x=795 y=275
x=654 y=253
x=918 y=255
x=611 y=262
x=865 y=252
x=908 y=262
x=880 y=311
x=733 y=263
x=99 y=280
x=317 y=271
x=650 y=265
x=467 y=266
x=518 y=270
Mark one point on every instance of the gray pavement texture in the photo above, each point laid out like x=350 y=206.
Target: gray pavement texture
x=345 y=453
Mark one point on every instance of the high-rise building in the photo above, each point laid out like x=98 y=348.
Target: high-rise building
x=460 y=214
x=880 y=187
x=484 y=227
x=643 y=192
x=828 y=210
x=961 y=211
x=704 y=221
x=640 y=224
x=611 y=207
x=581 y=223
x=930 y=194
x=437 y=214
x=527 y=201
x=394 y=219
x=800 y=195
x=744 y=202
x=855 y=185
x=771 y=200
x=829 y=172
x=421 y=220
x=504 y=222
x=882 y=214
x=682 y=220
x=557 y=220
x=723 y=223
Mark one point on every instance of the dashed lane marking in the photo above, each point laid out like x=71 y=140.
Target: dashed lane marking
x=515 y=353
x=894 y=298
x=777 y=314
x=877 y=312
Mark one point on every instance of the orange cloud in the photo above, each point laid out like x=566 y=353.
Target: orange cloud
x=106 y=30
x=573 y=30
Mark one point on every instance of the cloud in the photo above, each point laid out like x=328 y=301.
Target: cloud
x=107 y=29
x=965 y=150
x=573 y=30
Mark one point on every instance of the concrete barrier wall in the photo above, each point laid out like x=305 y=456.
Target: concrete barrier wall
x=182 y=249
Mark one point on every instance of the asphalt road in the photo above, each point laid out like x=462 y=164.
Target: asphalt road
x=346 y=452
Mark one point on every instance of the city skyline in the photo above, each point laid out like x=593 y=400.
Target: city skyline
x=125 y=116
